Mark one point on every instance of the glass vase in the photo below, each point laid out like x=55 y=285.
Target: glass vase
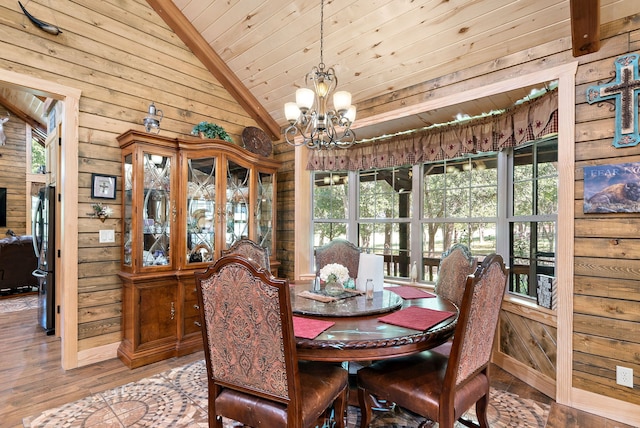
x=333 y=288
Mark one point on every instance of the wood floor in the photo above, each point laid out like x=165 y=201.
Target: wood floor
x=32 y=381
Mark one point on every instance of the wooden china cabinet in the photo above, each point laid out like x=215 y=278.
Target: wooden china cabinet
x=184 y=201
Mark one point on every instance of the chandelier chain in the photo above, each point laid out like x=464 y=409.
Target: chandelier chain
x=321 y=32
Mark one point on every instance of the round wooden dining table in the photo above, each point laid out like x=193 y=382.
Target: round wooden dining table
x=358 y=335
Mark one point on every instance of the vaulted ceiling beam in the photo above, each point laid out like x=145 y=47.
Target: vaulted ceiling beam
x=212 y=61
x=585 y=26
x=16 y=111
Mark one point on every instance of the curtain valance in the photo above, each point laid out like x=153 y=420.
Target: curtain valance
x=523 y=123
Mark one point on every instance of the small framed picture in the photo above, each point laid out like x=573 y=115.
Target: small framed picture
x=103 y=186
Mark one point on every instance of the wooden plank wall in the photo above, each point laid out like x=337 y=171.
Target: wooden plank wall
x=607 y=246
x=286 y=230
x=122 y=57
x=13 y=173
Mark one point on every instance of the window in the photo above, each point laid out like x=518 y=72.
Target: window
x=410 y=218
x=460 y=204
x=384 y=214
x=533 y=215
x=330 y=207
x=38 y=162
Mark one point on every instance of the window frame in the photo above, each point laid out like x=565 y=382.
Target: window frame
x=533 y=217
x=416 y=222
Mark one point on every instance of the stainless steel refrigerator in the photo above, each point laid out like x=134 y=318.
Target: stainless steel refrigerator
x=43 y=232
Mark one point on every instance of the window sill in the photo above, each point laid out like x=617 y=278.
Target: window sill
x=528 y=309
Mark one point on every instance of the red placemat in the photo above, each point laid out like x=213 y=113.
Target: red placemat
x=407 y=292
x=308 y=328
x=416 y=318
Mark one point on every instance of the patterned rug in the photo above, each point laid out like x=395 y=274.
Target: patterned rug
x=178 y=398
x=18 y=303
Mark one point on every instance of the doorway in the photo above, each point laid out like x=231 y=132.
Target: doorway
x=66 y=276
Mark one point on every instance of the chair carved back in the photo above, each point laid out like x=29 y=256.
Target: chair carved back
x=249 y=341
x=339 y=251
x=455 y=265
x=478 y=321
x=250 y=250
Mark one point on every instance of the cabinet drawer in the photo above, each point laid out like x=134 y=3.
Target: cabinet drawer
x=190 y=294
x=190 y=325
x=191 y=309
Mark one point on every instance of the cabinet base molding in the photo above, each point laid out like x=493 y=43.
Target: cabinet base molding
x=134 y=359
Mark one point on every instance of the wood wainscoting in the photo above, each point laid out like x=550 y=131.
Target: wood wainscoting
x=526 y=345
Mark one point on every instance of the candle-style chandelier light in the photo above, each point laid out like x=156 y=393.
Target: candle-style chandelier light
x=320 y=127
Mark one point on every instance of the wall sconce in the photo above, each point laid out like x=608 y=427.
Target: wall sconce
x=100 y=211
x=152 y=121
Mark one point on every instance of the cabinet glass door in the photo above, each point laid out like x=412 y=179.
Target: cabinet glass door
x=237 y=206
x=127 y=196
x=264 y=211
x=201 y=209
x=156 y=210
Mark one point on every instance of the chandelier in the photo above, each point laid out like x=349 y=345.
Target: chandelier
x=321 y=128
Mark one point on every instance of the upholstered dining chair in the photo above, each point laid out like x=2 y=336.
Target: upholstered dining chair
x=254 y=376
x=250 y=250
x=339 y=251
x=443 y=387
x=455 y=265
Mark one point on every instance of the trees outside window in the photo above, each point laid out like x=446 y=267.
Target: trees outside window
x=391 y=211
x=533 y=214
x=330 y=207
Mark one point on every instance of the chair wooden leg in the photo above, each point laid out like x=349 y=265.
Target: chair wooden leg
x=215 y=421
x=481 y=411
x=340 y=407
x=364 y=399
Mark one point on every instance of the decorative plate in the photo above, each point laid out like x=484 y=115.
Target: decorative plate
x=256 y=141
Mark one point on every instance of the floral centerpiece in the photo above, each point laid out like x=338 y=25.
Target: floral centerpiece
x=334 y=275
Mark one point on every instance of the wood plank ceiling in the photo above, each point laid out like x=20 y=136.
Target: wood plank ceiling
x=375 y=46
x=380 y=46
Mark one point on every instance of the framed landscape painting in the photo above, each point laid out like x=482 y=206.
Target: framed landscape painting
x=612 y=188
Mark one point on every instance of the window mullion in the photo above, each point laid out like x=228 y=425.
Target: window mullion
x=353 y=209
x=505 y=203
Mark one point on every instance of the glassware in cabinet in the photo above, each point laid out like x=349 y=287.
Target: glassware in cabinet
x=264 y=210
x=158 y=209
x=237 y=202
x=201 y=210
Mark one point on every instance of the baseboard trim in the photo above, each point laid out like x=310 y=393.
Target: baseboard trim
x=98 y=354
x=535 y=379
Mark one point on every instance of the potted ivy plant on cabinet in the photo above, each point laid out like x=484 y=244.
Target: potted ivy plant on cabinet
x=210 y=130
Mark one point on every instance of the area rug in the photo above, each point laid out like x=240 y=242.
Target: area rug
x=178 y=398
x=18 y=303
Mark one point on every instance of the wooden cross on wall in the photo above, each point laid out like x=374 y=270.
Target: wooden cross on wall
x=624 y=91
